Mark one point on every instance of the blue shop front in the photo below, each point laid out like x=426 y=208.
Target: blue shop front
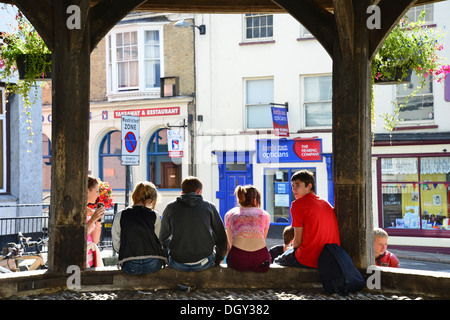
x=270 y=168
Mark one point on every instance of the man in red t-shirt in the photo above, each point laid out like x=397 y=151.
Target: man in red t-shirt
x=314 y=222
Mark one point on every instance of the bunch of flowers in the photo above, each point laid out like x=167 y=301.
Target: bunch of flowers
x=105 y=196
x=410 y=47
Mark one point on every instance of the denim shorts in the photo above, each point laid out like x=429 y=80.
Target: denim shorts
x=203 y=265
x=142 y=266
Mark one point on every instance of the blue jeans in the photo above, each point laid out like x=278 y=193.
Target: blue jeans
x=142 y=266
x=288 y=259
x=193 y=267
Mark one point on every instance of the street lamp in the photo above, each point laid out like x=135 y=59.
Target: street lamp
x=185 y=24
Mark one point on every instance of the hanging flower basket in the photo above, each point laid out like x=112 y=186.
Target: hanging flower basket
x=27 y=64
x=398 y=76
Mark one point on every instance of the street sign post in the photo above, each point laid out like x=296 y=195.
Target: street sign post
x=130 y=140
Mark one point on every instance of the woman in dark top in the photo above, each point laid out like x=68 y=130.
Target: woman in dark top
x=133 y=232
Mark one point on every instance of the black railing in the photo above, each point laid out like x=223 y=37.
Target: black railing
x=37 y=227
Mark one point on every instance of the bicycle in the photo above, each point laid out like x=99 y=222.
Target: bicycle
x=15 y=258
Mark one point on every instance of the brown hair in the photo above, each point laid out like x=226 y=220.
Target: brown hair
x=92 y=182
x=191 y=184
x=288 y=234
x=305 y=176
x=143 y=191
x=246 y=196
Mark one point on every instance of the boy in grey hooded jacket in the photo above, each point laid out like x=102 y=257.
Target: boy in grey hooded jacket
x=192 y=232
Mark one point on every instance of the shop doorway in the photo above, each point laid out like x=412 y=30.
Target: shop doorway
x=235 y=168
x=233 y=179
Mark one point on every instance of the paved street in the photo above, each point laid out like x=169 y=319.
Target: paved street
x=424 y=265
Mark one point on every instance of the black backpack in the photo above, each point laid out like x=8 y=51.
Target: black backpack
x=337 y=272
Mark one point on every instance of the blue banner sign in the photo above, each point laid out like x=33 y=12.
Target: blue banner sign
x=283 y=150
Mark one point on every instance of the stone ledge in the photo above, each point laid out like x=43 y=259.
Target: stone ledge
x=112 y=279
x=393 y=281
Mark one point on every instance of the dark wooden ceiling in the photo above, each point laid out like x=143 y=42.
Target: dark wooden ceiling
x=223 y=6
x=229 y=6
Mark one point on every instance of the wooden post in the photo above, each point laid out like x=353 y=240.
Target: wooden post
x=352 y=134
x=70 y=136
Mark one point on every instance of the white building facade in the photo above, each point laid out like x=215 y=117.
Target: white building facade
x=246 y=64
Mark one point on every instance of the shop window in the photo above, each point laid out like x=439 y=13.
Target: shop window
x=110 y=165
x=258 y=27
x=415 y=192
x=3 y=166
x=278 y=193
x=317 y=102
x=163 y=171
x=259 y=95
x=46 y=163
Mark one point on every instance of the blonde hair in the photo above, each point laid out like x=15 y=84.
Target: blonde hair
x=246 y=196
x=380 y=233
x=144 y=191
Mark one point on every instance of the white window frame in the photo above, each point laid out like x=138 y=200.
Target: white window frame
x=141 y=91
x=417 y=96
x=304 y=102
x=244 y=29
x=414 y=12
x=246 y=104
x=4 y=142
x=304 y=33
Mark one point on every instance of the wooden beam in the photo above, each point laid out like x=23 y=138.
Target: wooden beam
x=391 y=13
x=343 y=12
x=313 y=17
x=40 y=15
x=106 y=14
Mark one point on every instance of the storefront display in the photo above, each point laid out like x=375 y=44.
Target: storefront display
x=415 y=192
x=278 y=193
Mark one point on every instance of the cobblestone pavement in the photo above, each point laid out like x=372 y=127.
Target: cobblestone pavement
x=209 y=295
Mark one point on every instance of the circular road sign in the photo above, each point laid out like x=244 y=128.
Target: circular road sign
x=130 y=142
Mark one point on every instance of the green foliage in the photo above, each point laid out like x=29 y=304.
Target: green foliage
x=409 y=46
x=25 y=44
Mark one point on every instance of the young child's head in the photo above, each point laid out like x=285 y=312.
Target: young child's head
x=380 y=238
x=288 y=235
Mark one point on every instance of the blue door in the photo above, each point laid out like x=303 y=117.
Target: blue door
x=233 y=179
x=235 y=168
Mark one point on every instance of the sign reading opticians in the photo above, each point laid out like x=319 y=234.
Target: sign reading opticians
x=280 y=122
x=130 y=140
x=283 y=150
x=148 y=112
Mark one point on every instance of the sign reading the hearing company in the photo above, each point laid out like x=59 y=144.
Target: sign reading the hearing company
x=148 y=112
x=283 y=150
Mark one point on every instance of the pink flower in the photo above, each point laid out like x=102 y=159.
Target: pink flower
x=2 y=64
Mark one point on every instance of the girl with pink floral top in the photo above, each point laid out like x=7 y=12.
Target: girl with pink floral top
x=246 y=227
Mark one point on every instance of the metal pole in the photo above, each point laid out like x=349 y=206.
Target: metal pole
x=127 y=184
